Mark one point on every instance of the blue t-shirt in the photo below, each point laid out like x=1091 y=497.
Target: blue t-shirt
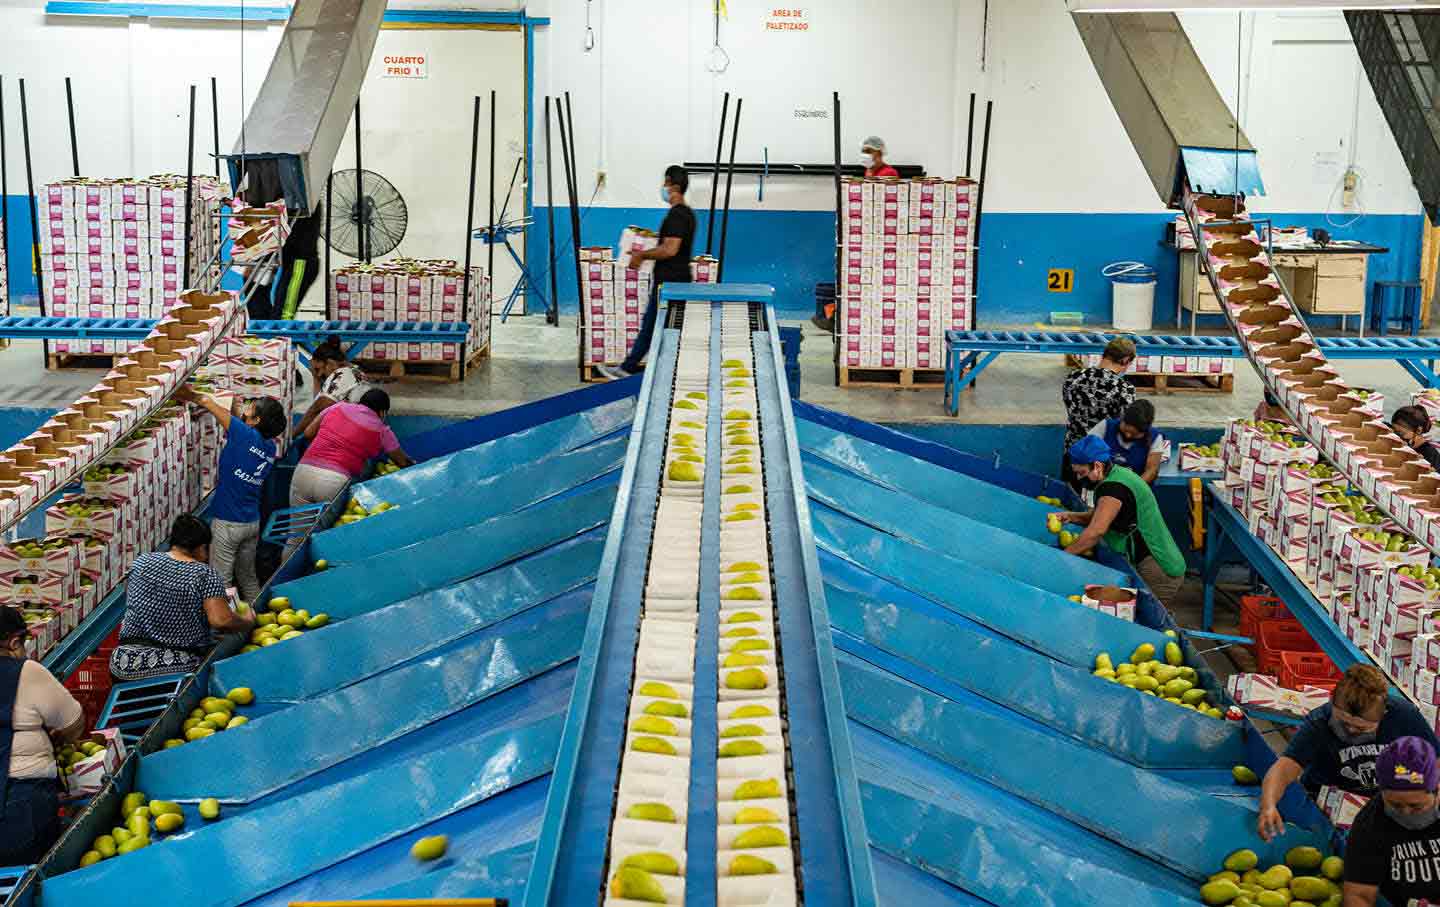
x=245 y=461
x=1351 y=766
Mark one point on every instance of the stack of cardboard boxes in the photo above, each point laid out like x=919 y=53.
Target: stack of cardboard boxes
x=1173 y=365
x=907 y=276
x=410 y=290
x=244 y=367
x=116 y=248
x=124 y=464
x=4 y=273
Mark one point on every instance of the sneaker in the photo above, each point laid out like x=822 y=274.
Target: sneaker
x=612 y=372
x=825 y=324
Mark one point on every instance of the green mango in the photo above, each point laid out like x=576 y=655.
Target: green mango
x=1193 y=697
x=760 y=836
x=106 y=846
x=1333 y=868
x=752 y=815
x=1242 y=861
x=654 y=745
x=1177 y=688
x=169 y=822
x=1165 y=673
x=138 y=825
x=429 y=848
x=1227 y=875
x=132 y=845
x=746 y=679
x=650 y=724
x=654 y=861
x=742 y=748
x=636 y=885
x=209 y=809
x=765 y=789
x=1312 y=888
x=131 y=802
x=743 y=730
x=90 y=858
x=1303 y=859
x=669 y=709
x=1219 y=892
x=657 y=689
x=747 y=865
x=1244 y=774
x=1277 y=898
x=651 y=812
x=164 y=808
x=1173 y=654
x=1143 y=652
x=1276 y=877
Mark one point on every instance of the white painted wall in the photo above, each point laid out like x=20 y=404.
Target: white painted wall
x=643 y=99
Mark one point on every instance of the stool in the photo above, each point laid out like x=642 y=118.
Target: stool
x=1381 y=298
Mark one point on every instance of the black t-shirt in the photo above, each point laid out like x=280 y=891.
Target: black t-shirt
x=680 y=222
x=1351 y=766
x=1431 y=453
x=1127 y=519
x=1404 y=863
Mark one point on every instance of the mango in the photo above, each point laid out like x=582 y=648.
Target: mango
x=739 y=632
x=209 y=809
x=743 y=730
x=169 y=822
x=737 y=748
x=318 y=621
x=1146 y=684
x=752 y=815
x=1303 y=859
x=90 y=858
x=199 y=733
x=754 y=710
x=760 y=836
x=1244 y=774
x=637 y=885
x=1242 y=861
x=132 y=845
x=1177 y=688
x=743 y=660
x=751 y=645
x=429 y=848
x=651 y=812
x=1103 y=661
x=216 y=704
x=138 y=825
x=1173 y=655
x=1220 y=892
x=131 y=802
x=1164 y=673
x=747 y=865
x=1276 y=877
x=654 y=861
x=766 y=789
x=105 y=844
x=241 y=696
x=1312 y=888
x=165 y=808
x=1274 y=898
x=742 y=567
x=742 y=617
x=741 y=593
x=670 y=709
x=279 y=603
x=746 y=679
x=120 y=835
x=1193 y=696
x=654 y=745
x=236 y=722
x=681 y=471
x=218 y=720
x=1143 y=652
x=647 y=724
x=1333 y=868
x=322 y=564
x=657 y=689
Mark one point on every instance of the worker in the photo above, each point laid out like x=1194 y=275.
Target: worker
x=872 y=153
x=246 y=461
x=1412 y=424
x=1338 y=742
x=337 y=380
x=1133 y=440
x=1095 y=393
x=1393 y=849
x=174 y=604
x=342 y=441
x=672 y=264
x=1126 y=517
x=299 y=262
x=42 y=713
x=1270 y=410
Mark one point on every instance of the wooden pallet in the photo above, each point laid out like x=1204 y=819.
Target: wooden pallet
x=1147 y=383
x=56 y=361
x=899 y=378
x=590 y=374
x=421 y=370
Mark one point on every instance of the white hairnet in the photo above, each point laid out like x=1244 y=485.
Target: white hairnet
x=874 y=142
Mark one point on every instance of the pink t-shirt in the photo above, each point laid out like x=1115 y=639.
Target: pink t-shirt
x=348 y=436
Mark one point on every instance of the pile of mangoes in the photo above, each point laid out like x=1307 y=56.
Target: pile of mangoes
x=1171 y=679
x=1307 y=878
x=213 y=715
x=282 y=622
x=138 y=819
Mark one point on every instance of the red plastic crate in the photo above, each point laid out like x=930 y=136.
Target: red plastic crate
x=90 y=685
x=1257 y=608
x=1277 y=636
x=1314 y=669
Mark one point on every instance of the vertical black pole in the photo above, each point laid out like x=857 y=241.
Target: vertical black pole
x=470 y=223
x=490 y=247
x=729 y=178
x=215 y=120
x=4 y=194
x=361 y=219
x=969 y=135
x=34 y=212
x=570 y=194
x=74 y=142
x=574 y=186
x=189 y=188
x=329 y=207
x=979 y=212
x=715 y=176
x=552 y=311
x=838 y=313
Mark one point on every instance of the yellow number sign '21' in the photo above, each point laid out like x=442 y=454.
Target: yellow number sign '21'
x=1060 y=280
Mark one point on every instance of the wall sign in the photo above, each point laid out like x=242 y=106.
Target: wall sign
x=787 y=20
x=396 y=66
x=1060 y=280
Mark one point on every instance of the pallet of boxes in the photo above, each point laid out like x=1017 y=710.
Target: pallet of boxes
x=1172 y=374
x=907 y=275
x=124 y=463
x=613 y=297
x=116 y=249
x=410 y=290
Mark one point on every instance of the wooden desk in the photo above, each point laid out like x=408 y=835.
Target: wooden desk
x=1322 y=281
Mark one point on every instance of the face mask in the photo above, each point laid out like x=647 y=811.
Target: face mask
x=1414 y=821
x=664 y=195
x=868 y=159
x=1339 y=730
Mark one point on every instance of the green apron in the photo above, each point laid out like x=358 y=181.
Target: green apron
x=1149 y=523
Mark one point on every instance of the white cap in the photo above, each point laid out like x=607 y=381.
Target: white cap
x=874 y=142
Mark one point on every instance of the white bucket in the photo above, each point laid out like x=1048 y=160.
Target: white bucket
x=1132 y=299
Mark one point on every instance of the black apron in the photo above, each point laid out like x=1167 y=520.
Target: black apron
x=10 y=669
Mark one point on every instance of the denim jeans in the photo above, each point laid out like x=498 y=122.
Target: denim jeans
x=30 y=823
x=647 y=331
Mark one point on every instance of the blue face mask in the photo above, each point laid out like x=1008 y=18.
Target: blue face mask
x=664 y=195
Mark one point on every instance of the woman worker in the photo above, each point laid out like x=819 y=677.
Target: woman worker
x=337 y=380
x=174 y=604
x=342 y=441
x=1412 y=424
x=41 y=710
x=1094 y=394
x=1339 y=741
x=1125 y=517
x=1133 y=440
x=1392 y=847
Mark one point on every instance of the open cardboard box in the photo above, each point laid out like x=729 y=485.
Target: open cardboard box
x=1235 y=244
x=1295 y=354
x=145 y=392
x=1392 y=481
x=1276 y=335
x=174 y=363
x=1383 y=458
x=72 y=426
x=81 y=447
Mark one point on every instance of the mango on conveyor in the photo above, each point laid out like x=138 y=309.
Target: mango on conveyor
x=736 y=748
x=636 y=885
x=654 y=861
x=432 y=847
x=651 y=812
x=766 y=789
x=748 y=865
x=752 y=815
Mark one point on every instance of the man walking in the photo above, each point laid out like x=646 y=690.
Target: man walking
x=672 y=264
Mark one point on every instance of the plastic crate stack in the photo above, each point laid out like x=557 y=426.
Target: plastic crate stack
x=907 y=263
x=414 y=289
x=116 y=248
x=121 y=463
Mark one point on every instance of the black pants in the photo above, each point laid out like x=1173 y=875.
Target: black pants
x=288 y=259
x=30 y=823
x=647 y=331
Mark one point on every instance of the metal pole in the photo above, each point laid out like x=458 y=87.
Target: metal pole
x=215 y=121
x=34 y=213
x=329 y=207
x=579 y=294
x=189 y=187
x=359 y=213
x=979 y=209
x=969 y=135
x=470 y=223
x=838 y=313
x=715 y=176
x=74 y=143
x=574 y=186
x=552 y=311
x=729 y=178
x=490 y=246
x=4 y=193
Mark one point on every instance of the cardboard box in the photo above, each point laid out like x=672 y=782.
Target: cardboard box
x=86 y=778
